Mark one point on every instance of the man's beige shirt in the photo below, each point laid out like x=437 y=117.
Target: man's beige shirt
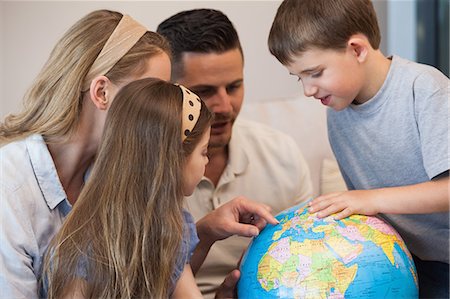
x=264 y=165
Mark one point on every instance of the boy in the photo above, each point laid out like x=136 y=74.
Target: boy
x=388 y=125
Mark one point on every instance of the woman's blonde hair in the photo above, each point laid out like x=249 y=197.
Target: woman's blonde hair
x=126 y=227
x=53 y=103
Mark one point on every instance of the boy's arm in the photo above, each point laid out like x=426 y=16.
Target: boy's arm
x=423 y=198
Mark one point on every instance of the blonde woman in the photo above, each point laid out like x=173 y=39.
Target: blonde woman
x=49 y=146
x=47 y=149
x=128 y=236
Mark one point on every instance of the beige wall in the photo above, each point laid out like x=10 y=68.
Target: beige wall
x=29 y=30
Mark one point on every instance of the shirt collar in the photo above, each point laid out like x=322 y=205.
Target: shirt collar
x=238 y=153
x=382 y=95
x=237 y=158
x=45 y=172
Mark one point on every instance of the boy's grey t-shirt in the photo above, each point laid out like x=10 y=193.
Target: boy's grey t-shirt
x=400 y=137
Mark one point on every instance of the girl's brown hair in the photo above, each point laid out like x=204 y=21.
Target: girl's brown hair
x=126 y=228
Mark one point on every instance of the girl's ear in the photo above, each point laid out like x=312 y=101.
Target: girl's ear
x=358 y=45
x=100 y=92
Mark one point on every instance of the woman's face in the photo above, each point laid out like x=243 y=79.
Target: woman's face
x=194 y=169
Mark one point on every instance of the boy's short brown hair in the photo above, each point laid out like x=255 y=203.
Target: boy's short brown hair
x=300 y=25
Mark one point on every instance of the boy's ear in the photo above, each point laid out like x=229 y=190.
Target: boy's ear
x=100 y=92
x=358 y=45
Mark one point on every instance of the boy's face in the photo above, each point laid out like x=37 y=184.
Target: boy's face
x=335 y=78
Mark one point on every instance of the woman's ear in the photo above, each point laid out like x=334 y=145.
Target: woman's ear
x=101 y=92
x=358 y=45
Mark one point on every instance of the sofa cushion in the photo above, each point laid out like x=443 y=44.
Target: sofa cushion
x=303 y=119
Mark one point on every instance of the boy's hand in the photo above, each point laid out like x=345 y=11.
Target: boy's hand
x=345 y=204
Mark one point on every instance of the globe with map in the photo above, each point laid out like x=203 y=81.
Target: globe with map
x=308 y=257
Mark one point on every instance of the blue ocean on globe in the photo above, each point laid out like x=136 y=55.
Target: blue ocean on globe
x=308 y=257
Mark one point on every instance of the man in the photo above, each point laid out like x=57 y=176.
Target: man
x=245 y=158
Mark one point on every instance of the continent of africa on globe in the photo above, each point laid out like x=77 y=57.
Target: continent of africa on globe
x=308 y=257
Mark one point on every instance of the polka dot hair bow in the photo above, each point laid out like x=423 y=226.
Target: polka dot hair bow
x=191 y=111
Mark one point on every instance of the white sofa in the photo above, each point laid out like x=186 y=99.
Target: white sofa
x=305 y=120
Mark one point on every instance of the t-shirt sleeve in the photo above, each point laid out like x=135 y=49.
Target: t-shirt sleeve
x=432 y=115
x=189 y=242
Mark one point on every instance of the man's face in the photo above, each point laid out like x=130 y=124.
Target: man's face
x=218 y=80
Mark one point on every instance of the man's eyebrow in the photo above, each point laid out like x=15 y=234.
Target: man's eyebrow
x=202 y=86
x=205 y=86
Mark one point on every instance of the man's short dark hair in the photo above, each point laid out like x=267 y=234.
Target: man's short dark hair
x=200 y=31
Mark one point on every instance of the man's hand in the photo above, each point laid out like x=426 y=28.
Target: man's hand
x=239 y=216
x=228 y=290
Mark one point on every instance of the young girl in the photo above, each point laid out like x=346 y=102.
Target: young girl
x=126 y=237
x=48 y=147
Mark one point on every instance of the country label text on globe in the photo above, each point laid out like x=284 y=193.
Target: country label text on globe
x=308 y=257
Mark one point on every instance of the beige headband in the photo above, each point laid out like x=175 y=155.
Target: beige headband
x=191 y=111
x=124 y=37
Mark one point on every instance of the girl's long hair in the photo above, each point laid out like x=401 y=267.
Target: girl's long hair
x=52 y=105
x=126 y=228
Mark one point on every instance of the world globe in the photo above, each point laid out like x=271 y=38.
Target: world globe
x=308 y=257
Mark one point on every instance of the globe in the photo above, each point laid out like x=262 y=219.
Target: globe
x=308 y=257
